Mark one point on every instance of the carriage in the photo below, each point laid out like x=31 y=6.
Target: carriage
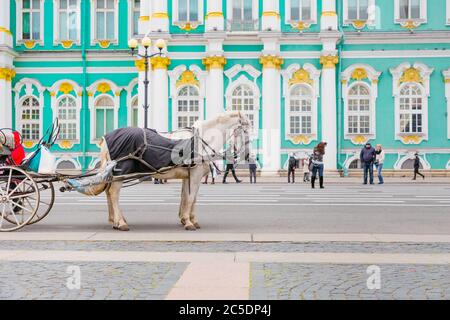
x=27 y=193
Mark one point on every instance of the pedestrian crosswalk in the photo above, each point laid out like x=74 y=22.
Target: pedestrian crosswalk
x=272 y=195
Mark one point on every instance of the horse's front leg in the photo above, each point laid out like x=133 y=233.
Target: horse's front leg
x=184 y=187
x=190 y=195
x=119 y=222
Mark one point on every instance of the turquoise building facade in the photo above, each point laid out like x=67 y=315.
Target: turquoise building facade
x=304 y=71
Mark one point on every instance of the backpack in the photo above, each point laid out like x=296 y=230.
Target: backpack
x=292 y=162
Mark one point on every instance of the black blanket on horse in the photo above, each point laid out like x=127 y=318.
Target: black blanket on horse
x=158 y=152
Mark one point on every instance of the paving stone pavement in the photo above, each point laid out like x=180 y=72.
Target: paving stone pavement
x=178 y=246
x=99 y=280
x=340 y=282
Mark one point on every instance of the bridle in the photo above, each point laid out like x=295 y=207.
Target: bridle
x=209 y=154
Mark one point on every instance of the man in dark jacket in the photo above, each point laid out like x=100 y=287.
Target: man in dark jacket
x=367 y=157
x=417 y=167
x=230 y=158
x=292 y=165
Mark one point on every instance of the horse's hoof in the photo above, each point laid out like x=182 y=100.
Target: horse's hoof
x=115 y=228
x=197 y=225
x=183 y=222
x=190 y=227
x=124 y=228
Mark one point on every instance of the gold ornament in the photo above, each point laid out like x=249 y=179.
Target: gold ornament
x=411 y=75
x=160 y=62
x=104 y=43
x=187 y=78
x=271 y=61
x=215 y=14
x=359 y=74
x=144 y=18
x=300 y=139
x=66 y=44
x=359 y=140
x=411 y=139
x=65 y=87
x=7 y=74
x=29 y=44
x=359 y=24
x=65 y=144
x=329 y=62
x=214 y=62
x=300 y=76
x=103 y=87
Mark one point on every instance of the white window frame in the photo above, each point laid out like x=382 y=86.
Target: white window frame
x=176 y=21
x=134 y=99
x=371 y=10
x=255 y=14
x=287 y=15
x=372 y=86
x=358 y=113
x=31 y=122
x=130 y=99
x=76 y=121
x=446 y=75
x=176 y=113
x=56 y=36
x=131 y=9
x=19 y=24
x=448 y=12
x=54 y=101
x=417 y=22
x=243 y=80
x=92 y=89
x=174 y=75
x=314 y=86
x=94 y=39
x=312 y=113
x=425 y=73
x=29 y=83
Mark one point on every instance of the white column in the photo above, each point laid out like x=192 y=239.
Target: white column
x=271 y=114
x=144 y=18
x=6 y=68
x=270 y=16
x=159 y=19
x=214 y=63
x=159 y=108
x=328 y=19
x=329 y=130
x=214 y=16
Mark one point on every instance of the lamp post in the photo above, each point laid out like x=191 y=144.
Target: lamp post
x=146 y=42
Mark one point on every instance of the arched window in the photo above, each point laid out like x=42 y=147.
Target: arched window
x=134 y=112
x=300 y=110
x=411 y=109
x=104 y=116
x=68 y=119
x=243 y=99
x=188 y=108
x=358 y=112
x=30 y=119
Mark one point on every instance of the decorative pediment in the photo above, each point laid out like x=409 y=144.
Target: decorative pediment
x=187 y=78
x=417 y=73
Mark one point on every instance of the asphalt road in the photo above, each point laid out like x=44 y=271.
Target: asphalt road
x=266 y=208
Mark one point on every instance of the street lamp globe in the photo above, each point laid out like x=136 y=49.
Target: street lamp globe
x=146 y=42
x=160 y=44
x=132 y=43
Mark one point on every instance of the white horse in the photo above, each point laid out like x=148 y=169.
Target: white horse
x=211 y=137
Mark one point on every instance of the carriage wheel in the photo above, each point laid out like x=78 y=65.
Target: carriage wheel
x=19 y=198
x=46 y=201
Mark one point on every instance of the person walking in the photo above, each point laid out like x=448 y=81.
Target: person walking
x=306 y=162
x=417 y=167
x=213 y=171
x=230 y=158
x=292 y=165
x=317 y=164
x=367 y=157
x=379 y=160
x=252 y=167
